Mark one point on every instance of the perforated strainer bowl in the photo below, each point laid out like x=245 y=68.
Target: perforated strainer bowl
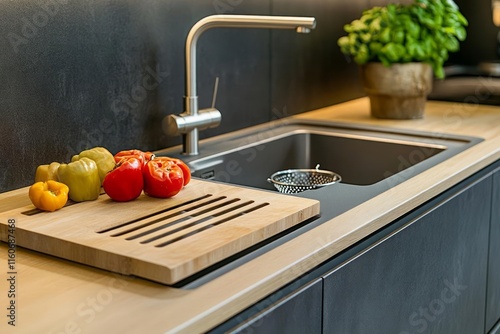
x=292 y=181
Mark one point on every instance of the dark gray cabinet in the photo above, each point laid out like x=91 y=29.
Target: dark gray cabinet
x=296 y=312
x=493 y=291
x=427 y=276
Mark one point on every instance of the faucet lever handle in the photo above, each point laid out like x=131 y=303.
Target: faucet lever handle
x=216 y=88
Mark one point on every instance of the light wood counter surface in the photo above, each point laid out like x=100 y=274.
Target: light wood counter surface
x=58 y=296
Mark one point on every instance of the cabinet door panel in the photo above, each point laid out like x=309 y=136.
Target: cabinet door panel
x=493 y=294
x=299 y=312
x=429 y=276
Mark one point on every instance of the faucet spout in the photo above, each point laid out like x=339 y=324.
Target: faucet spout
x=235 y=21
x=193 y=119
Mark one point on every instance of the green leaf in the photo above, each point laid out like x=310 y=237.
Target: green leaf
x=419 y=52
x=384 y=60
x=411 y=48
x=375 y=25
x=365 y=38
x=398 y=36
x=391 y=52
x=461 y=33
x=391 y=9
x=443 y=53
x=450 y=5
x=358 y=25
x=412 y=29
x=385 y=35
x=438 y=20
x=348 y=28
x=451 y=44
x=462 y=20
x=429 y=22
x=363 y=55
x=353 y=38
x=343 y=42
x=438 y=71
x=375 y=47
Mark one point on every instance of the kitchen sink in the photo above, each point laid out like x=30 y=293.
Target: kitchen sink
x=369 y=159
x=361 y=156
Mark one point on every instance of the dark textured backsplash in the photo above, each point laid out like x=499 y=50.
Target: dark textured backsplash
x=81 y=73
x=482 y=41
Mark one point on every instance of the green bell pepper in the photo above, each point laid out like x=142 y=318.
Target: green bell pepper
x=102 y=157
x=44 y=173
x=82 y=178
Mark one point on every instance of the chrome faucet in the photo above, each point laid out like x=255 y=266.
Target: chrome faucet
x=192 y=119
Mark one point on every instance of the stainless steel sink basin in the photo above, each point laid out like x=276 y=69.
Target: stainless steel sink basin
x=362 y=157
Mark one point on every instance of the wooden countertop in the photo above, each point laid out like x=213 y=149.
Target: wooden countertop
x=58 y=296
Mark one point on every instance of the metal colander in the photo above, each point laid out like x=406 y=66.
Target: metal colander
x=292 y=181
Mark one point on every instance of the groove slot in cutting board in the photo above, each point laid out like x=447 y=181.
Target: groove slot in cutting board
x=165 y=240
x=166 y=228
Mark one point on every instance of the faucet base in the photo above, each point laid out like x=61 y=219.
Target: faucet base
x=188 y=126
x=185 y=123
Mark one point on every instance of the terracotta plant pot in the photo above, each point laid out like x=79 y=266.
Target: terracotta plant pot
x=398 y=91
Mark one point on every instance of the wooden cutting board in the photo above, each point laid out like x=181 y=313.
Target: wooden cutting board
x=165 y=240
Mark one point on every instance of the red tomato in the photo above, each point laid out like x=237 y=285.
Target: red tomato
x=185 y=169
x=162 y=178
x=125 y=182
x=144 y=157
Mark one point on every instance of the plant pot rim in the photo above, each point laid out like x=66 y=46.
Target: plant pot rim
x=413 y=63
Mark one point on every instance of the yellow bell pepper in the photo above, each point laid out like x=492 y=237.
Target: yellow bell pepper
x=82 y=178
x=47 y=172
x=49 y=196
x=103 y=158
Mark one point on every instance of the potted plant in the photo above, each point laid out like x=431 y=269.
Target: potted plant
x=399 y=47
